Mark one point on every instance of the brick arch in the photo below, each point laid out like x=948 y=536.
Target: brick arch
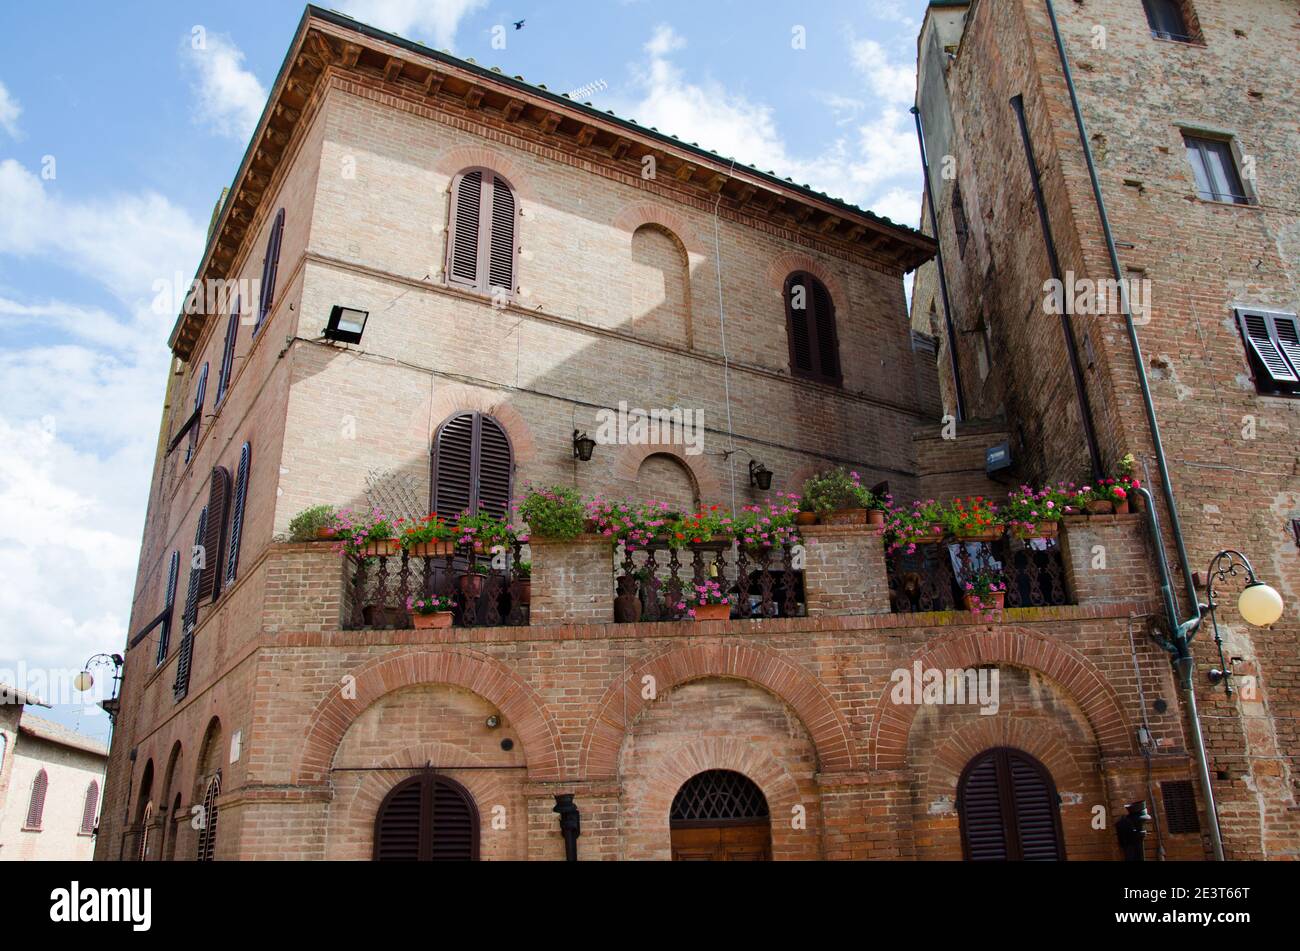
x=639 y=214
x=1077 y=677
x=623 y=703
x=461 y=157
x=783 y=265
x=449 y=400
x=459 y=667
x=628 y=463
x=648 y=814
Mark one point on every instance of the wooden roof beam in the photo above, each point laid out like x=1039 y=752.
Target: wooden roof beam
x=550 y=122
x=474 y=97
x=513 y=110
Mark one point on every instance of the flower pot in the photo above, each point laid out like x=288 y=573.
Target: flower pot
x=471 y=585
x=993 y=601
x=1101 y=507
x=1039 y=530
x=845 y=517
x=434 y=621
x=989 y=533
x=524 y=591
x=324 y=532
x=432 y=549
x=1121 y=508
x=806 y=518
x=380 y=549
x=712 y=612
x=875 y=517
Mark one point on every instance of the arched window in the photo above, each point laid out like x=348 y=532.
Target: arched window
x=810 y=322
x=237 y=513
x=207 y=849
x=720 y=816
x=427 y=818
x=36 y=805
x=89 y=808
x=481 y=237
x=270 y=266
x=181 y=686
x=661 y=286
x=662 y=477
x=1009 y=809
x=473 y=466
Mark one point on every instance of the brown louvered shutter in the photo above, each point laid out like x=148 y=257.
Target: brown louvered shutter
x=1009 y=809
x=207 y=849
x=237 y=512
x=181 y=685
x=828 y=347
x=89 y=807
x=270 y=268
x=228 y=354
x=200 y=394
x=453 y=466
x=214 y=536
x=466 y=216
x=1255 y=329
x=801 y=354
x=36 y=805
x=501 y=248
x=173 y=578
x=495 y=467
x=427 y=818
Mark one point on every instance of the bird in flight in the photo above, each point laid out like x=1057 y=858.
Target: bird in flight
x=519 y=24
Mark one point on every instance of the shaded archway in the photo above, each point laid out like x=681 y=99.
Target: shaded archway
x=720 y=815
x=1009 y=809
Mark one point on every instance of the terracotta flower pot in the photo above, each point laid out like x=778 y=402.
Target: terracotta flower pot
x=845 y=517
x=712 y=612
x=627 y=609
x=1101 y=507
x=806 y=518
x=434 y=621
x=432 y=549
x=875 y=517
x=990 y=533
x=1039 y=530
x=993 y=601
x=471 y=585
x=1121 y=508
x=524 y=591
x=381 y=549
x=324 y=532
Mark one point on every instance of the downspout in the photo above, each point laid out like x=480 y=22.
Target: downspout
x=1179 y=644
x=1067 y=328
x=943 y=280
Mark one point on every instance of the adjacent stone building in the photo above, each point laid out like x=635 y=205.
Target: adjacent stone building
x=452 y=275
x=1192 y=118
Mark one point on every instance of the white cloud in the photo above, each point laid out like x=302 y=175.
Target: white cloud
x=895 y=82
x=230 y=99
x=10 y=110
x=412 y=19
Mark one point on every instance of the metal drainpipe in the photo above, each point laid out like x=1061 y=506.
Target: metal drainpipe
x=1179 y=645
x=943 y=280
x=1071 y=344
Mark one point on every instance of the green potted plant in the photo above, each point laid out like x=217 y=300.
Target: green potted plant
x=984 y=590
x=839 y=498
x=705 y=601
x=806 y=514
x=1096 y=500
x=1034 y=513
x=431 y=537
x=483 y=531
x=556 y=512
x=369 y=534
x=431 y=613
x=312 y=524
x=710 y=524
x=973 y=519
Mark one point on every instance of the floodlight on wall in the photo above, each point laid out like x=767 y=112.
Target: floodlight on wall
x=583 y=446
x=346 y=324
x=759 y=475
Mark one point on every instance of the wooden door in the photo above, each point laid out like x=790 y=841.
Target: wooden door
x=720 y=816
x=751 y=843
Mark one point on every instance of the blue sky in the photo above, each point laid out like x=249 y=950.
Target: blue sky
x=117 y=136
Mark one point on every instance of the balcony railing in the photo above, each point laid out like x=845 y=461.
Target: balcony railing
x=931 y=579
x=488 y=590
x=761 y=582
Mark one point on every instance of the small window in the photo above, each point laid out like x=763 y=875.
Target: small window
x=36 y=804
x=270 y=267
x=1215 y=170
x=810 y=323
x=959 y=222
x=481 y=238
x=1273 y=346
x=237 y=513
x=89 y=808
x=1167 y=20
x=228 y=354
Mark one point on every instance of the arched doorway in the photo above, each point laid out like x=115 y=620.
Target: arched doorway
x=1009 y=809
x=720 y=816
x=427 y=818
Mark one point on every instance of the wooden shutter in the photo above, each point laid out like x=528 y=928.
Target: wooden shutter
x=36 y=805
x=828 y=347
x=208 y=834
x=237 y=513
x=1287 y=332
x=1255 y=329
x=427 y=818
x=214 y=536
x=270 y=267
x=473 y=466
x=466 y=215
x=173 y=577
x=801 y=354
x=1009 y=809
x=501 y=245
x=814 y=343
x=89 y=807
x=181 y=686
x=228 y=354
x=200 y=393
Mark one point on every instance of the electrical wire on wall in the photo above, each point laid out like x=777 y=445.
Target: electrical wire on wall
x=722 y=325
x=1150 y=740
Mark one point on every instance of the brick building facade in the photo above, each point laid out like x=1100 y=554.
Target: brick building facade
x=1161 y=88
x=642 y=270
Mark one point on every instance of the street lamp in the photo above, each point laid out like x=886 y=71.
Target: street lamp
x=1259 y=604
x=84 y=680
